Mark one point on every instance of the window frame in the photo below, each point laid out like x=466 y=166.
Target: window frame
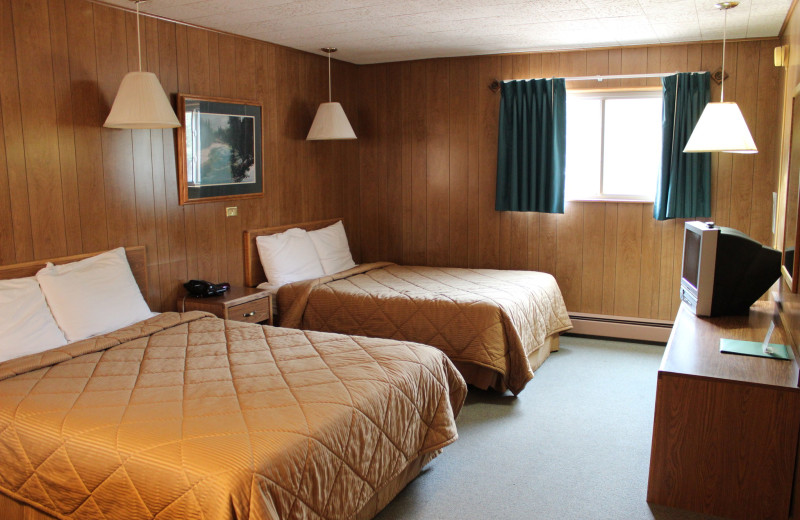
x=603 y=94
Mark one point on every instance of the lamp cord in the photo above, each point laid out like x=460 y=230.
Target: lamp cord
x=724 y=37
x=138 y=37
x=330 y=97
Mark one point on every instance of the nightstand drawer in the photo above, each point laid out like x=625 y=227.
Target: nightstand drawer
x=251 y=312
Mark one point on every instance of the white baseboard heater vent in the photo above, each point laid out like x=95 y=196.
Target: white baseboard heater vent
x=621 y=327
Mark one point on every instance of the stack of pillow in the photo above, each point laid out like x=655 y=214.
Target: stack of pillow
x=67 y=303
x=298 y=254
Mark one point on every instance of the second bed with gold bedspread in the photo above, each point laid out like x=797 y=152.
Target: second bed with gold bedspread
x=496 y=326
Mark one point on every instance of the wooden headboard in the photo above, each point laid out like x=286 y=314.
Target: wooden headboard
x=136 y=258
x=253 y=272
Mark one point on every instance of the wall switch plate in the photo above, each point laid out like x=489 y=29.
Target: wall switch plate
x=231 y=211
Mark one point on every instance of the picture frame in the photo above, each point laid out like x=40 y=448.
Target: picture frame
x=219 y=147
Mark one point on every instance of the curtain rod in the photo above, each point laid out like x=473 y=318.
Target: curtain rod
x=495 y=85
x=619 y=76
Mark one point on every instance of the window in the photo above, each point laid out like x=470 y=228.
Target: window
x=613 y=145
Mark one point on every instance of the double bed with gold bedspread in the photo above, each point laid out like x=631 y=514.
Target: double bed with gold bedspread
x=185 y=416
x=497 y=326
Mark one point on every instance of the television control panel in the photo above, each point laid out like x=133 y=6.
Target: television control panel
x=689 y=299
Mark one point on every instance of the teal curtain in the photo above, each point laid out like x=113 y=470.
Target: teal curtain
x=531 y=146
x=684 y=184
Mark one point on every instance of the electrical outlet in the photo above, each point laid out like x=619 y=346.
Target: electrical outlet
x=231 y=211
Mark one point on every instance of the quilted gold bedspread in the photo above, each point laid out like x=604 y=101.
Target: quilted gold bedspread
x=186 y=416
x=485 y=317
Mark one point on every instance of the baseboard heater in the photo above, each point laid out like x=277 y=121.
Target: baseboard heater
x=621 y=327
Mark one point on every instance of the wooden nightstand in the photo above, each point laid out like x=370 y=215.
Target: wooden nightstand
x=237 y=303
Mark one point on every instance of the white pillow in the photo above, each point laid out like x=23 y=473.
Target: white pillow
x=332 y=248
x=93 y=296
x=288 y=257
x=26 y=325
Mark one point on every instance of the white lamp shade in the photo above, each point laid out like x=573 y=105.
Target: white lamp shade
x=330 y=123
x=141 y=103
x=721 y=128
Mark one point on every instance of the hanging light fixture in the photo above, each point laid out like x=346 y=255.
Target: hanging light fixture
x=141 y=101
x=721 y=127
x=330 y=122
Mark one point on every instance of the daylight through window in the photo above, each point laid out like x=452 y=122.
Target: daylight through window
x=613 y=145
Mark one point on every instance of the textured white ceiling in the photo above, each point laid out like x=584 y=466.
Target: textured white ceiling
x=375 y=31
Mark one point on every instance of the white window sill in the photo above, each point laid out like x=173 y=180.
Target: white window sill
x=627 y=201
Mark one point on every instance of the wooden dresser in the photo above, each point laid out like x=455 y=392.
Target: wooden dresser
x=726 y=427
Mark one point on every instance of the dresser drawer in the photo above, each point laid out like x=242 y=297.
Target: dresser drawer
x=251 y=312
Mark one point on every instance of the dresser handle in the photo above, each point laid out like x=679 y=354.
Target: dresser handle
x=253 y=313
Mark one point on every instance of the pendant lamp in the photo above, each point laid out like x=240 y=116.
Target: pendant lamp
x=141 y=101
x=330 y=122
x=721 y=127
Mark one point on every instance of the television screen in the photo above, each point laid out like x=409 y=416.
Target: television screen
x=691 y=258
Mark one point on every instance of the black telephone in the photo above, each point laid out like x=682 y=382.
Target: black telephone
x=203 y=289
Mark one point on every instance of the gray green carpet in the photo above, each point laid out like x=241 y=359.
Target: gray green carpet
x=574 y=445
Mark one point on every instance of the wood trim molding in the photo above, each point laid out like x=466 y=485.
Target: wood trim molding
x=253 y=272
x=785 y=23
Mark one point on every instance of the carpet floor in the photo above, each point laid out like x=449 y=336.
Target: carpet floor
x=574 y=445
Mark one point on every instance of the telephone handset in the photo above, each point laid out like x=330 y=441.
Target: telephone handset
x=203 y=289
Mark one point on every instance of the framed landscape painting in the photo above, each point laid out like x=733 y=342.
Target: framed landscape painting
x=219 y=149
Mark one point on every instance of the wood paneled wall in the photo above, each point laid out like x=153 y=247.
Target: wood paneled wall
x=428 y=145
x=69 y=186
x=417 y=187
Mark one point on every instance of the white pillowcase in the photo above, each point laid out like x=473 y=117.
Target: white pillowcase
x=93 y=296
x=288 y=257
x=332 y=248
x=26 y=325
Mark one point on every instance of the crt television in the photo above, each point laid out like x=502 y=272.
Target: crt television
x=724 y=271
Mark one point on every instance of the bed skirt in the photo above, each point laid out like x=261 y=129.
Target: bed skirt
x=485 y=378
